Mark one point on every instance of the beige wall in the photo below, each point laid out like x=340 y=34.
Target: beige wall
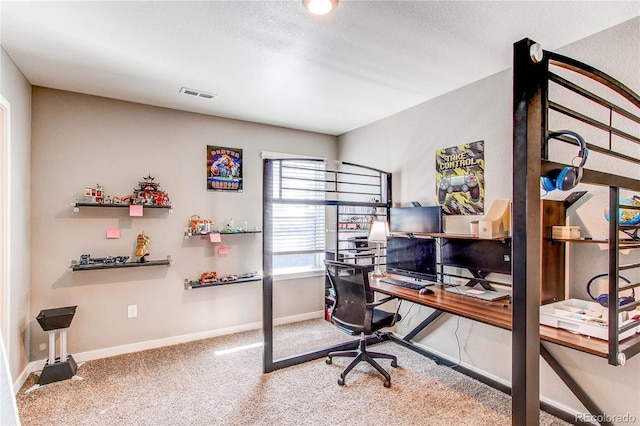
x=15 y=88
x=405 y=144
x=82 y=140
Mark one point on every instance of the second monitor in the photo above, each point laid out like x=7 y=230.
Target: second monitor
x=414 y=220
x=412 y=257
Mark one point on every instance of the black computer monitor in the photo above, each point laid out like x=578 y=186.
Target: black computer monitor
x=484 y=256
x=412 y=220
x=412 y=257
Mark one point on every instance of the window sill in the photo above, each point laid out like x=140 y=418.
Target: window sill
x=298 y=275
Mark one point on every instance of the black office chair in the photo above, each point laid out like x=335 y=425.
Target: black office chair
x=354 y=312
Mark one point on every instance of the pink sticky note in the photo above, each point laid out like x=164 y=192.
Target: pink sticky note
x=215 y=237
x=113 y=232
x=223 y=250
x=135 y=210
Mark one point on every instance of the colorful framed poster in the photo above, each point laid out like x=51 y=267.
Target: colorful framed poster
x=460 y=179
x=224 y=169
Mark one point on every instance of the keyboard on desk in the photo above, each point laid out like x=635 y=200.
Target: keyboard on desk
x=413 y=285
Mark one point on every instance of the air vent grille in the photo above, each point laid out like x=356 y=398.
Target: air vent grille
x=197 y=93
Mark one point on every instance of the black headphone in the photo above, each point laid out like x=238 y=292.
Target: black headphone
x=603 y=299
x=568 y=177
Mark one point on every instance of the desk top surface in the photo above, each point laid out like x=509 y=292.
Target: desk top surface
x=497 y=314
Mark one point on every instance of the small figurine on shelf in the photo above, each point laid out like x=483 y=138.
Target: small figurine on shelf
x=141 y=249
x=231 y=227
x=208 y=277
x=94 y=194
x=149 y=193
x=228 y=278
x=199 y=226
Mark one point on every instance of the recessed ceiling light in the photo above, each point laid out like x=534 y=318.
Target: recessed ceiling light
x=320 y=7
x=197 y=93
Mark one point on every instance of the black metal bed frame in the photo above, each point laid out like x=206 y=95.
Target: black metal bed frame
x=532 y=74
x=346 y=185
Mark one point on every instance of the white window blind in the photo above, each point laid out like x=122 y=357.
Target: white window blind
x=298 y=223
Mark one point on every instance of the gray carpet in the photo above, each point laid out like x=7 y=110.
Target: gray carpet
x=193 y=384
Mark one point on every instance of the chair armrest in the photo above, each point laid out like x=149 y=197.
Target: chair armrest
x=380 y=302
x=369 y=311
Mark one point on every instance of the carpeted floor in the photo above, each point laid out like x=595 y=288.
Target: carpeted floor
x=219 y=381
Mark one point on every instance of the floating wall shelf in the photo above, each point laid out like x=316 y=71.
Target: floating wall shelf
x=188 y=284
x=188 y=234
x=75 y=266
x=76 y=206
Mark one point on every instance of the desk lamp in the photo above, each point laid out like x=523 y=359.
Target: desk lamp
x=378 y=235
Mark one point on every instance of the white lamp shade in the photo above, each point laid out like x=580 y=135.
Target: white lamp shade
x=379 y=231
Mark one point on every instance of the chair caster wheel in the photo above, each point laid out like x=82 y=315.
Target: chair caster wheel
x=394 y=363
x=387 y=384
x=328 y=360
x=341 y=381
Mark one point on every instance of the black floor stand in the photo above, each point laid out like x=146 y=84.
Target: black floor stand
x=56 y=322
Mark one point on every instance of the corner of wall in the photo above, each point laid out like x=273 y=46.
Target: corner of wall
x=16 y=89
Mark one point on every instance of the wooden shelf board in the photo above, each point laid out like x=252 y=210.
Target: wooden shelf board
x=452 y=236
x=626 y=244
x=581 y=342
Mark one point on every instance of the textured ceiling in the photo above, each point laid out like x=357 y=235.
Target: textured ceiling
x=272 y=62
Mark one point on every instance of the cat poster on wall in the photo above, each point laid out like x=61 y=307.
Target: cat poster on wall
x=460 y=179
x=224 y=169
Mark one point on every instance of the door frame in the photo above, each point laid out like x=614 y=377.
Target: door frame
x=5 y=232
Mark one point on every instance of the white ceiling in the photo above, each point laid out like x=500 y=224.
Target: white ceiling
x=272 y=62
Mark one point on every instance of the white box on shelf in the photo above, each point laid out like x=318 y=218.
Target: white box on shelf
x=565 y=232
x=581 y=317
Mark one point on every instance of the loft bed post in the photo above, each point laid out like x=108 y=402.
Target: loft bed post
x=614 y=262
x=529 y=124
x=267 y=267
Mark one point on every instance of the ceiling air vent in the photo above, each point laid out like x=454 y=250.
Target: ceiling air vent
x=197 y=93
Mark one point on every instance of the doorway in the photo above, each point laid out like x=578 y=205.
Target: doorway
x=5 y=316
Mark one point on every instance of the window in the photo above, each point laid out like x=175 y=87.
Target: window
x=298 y=215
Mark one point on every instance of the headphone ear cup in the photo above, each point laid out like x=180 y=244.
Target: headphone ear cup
x=626 y=299
x=567 y=179
x=547 y=183
x=603 y=299
x=550 y=179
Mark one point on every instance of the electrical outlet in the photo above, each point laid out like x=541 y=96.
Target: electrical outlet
x=132 y=311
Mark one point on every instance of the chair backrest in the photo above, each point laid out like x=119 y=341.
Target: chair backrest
x=352 y=292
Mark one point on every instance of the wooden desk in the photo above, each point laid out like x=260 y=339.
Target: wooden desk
x=497 y=314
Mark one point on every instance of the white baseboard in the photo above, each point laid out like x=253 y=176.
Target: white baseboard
x=158 y=343
x=298 y=318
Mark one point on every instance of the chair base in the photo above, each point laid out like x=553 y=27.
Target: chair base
x=361 y=354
